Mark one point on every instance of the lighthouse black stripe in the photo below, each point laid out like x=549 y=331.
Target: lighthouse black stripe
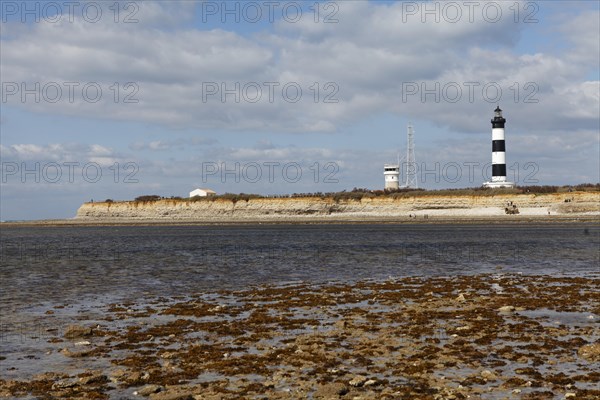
x=498 y=145
x=499 y=170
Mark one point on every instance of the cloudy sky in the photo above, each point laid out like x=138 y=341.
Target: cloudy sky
x=145 y=97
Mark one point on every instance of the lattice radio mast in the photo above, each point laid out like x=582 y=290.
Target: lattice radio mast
x=411 y=163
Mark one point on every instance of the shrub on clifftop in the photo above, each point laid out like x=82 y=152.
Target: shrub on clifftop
x=148 y=198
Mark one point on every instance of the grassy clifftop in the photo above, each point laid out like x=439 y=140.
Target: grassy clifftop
x=360 y=194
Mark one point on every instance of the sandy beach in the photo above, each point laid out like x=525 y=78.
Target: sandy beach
x=433 y=218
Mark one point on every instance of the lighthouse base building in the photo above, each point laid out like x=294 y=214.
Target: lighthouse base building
x=495 y=185
x=498 y=153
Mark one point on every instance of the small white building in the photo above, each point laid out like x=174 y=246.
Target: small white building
x=202 y=193
x=392 y=176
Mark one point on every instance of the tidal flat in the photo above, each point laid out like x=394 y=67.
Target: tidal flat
x=484 y=336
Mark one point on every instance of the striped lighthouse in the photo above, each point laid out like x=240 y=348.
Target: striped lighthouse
x=498 y=153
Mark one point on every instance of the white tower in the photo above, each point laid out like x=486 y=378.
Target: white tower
x=411 y=162
x=392 y=176
x=498 y=153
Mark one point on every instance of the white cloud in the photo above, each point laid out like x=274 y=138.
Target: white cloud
x=60 y=153
x=369 y=54
x=165 y=145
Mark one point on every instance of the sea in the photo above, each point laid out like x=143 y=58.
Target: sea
x=70 y=264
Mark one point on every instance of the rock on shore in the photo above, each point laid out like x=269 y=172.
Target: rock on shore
x=400 y=338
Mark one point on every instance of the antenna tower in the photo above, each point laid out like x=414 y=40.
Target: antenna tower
x=411 y=163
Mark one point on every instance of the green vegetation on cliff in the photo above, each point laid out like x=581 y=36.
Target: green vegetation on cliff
x=360 y=193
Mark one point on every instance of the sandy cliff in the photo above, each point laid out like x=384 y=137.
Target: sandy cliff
x=277 y=208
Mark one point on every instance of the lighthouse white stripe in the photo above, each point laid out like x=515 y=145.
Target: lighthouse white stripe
x=498 y=134
x=499 y=157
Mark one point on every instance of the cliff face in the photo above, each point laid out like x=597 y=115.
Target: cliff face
x=220 y=209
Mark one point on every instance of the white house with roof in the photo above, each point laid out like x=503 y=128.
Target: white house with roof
x=202 y=193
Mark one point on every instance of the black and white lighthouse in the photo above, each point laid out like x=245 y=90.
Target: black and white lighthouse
x=498 y=153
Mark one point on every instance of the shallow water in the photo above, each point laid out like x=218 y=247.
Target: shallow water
x=86 y=268
x=70 y=264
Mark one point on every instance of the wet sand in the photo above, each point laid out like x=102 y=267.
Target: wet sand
x=331 y=219
x=491 y=336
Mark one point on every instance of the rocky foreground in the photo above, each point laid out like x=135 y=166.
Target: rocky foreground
x=478 y=337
